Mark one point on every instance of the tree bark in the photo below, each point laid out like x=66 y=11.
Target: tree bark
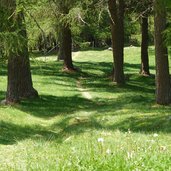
x=26 y=89
x=61 y=48
x=163 y=85
x=65 y=51
x=12 y=95
x=19 y=83
x=144 y=48
x=116 y=8
x=66 y=44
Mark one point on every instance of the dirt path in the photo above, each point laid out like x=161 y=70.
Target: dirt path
x=83 y=91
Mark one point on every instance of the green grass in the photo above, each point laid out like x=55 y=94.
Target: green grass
x=60 y=130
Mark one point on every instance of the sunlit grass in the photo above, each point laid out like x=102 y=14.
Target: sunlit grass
x=119 y=128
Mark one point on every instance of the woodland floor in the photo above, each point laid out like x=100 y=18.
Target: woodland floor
x=83 y=121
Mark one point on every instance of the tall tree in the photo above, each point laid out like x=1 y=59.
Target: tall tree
x=19 y=76
x=116 y=8
x=65 y=49
x=163 y=84
x=63 y=9
x=142 y=9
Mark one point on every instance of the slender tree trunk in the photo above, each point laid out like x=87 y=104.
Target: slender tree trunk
x=163 y=85
x=65 y=51
x=66 y=43
x=116 y=8
x=144 y=48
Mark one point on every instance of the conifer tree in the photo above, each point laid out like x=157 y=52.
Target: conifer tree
x=19 y=83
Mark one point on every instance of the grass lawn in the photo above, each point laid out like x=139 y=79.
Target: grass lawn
x=82 y=121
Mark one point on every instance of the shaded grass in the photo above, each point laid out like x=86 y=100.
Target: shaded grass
x=60 y=130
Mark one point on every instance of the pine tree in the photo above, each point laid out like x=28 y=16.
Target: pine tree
x=19 y=76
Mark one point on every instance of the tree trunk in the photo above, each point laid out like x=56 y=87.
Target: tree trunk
x=12 y=95
x=66 y=44
x=144 y=48
x=61 y=47
x=19 y=76
x=163 y=86
x=26 y=89
x=116 y=8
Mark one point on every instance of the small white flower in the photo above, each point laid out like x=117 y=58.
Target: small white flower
x=130 y=155
x=108 y=151
x=101 y=140
x=155 y=135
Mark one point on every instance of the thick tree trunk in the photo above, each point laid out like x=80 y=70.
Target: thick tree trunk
x=19 y=79
x=163 y=86
x=26 y=89
x=116 y=8
x=144 y=48
x=19 y=76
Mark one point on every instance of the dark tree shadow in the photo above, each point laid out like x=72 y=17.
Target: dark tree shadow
x=11 y=133
x=48 y=106
x=145 y=124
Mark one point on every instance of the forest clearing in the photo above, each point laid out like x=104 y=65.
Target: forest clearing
x=85 y=85
x=119 y=128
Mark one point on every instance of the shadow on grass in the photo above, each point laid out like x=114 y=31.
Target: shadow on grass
x=49 y=106
x=145 y=124
x=136 y=98
x=129 y=67
x=138 y=115
x=140 y=118
x=11 y=133
x=138 y=124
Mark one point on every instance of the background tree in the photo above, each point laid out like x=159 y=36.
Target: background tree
x=144 y=47
x=116 y=9
x=63 y=13
x=145 y=10
x=142 y=10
